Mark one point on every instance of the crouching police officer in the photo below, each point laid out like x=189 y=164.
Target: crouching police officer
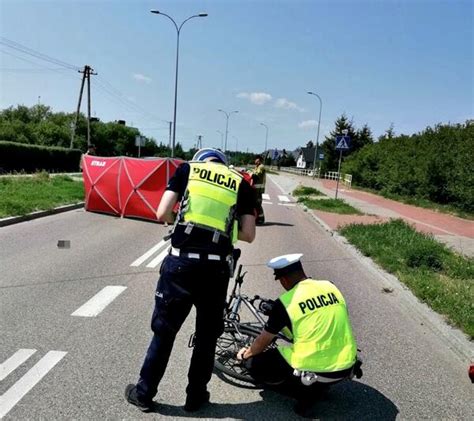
x=217 y=207
x=323 y=351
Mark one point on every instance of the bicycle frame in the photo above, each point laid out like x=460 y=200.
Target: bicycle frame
x=234 y=306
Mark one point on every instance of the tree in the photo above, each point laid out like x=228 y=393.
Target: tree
x=331 y=155
x=389 y=133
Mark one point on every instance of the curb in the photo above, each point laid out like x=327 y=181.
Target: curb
x=39 y=214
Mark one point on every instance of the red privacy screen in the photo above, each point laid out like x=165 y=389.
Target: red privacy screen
x=124 y=186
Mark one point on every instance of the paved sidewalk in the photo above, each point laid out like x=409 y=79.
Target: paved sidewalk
x=455 y=232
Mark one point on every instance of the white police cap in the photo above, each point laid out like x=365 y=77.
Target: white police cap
x=282 y=262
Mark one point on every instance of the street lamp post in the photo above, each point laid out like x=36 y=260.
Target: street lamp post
x=226 y=125
x=266 y=137
x=317 y=139
x=222 y=138
x=178 y=31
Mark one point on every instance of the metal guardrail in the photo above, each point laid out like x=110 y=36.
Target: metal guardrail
x=330 y=175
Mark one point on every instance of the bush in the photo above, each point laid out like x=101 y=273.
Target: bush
x=32 y=158
x=434 y=165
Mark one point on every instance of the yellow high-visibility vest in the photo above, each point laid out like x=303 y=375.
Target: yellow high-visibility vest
x=322 y=334
x=211 y=198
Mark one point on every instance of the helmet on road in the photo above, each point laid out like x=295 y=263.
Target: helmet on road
x=210 y=154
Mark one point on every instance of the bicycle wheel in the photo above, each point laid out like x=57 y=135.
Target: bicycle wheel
x=229 y=343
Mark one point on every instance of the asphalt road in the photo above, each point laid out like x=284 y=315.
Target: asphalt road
x=77 y=366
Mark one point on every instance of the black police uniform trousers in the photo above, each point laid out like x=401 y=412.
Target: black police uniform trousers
x=185 y=282
x=272 y=370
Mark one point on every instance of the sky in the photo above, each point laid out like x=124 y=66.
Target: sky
x=403 y=62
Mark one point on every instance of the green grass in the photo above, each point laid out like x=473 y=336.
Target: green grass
x=436 y=275
x=306 y=191
x=23 y=195
x=329 y=205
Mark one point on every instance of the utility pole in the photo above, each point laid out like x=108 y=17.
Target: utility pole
x=199 y=142
x=86 y=74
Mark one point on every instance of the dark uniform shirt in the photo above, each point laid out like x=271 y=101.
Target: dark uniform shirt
x=200 y=240
x=278 y=318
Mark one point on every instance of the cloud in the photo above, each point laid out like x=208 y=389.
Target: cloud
x=308 y=124
x=287 y=105
x=142 y=78
x=258 y=98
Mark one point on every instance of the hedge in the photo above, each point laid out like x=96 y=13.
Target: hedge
x=31 y=158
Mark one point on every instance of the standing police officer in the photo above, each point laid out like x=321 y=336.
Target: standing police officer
x=259 y=179
x=323 y=351
x=216 y=208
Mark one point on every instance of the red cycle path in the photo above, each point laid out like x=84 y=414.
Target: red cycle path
x=425 y=220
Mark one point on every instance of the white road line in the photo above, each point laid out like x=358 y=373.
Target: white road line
x=267 y=203
x=286 y=204
x=99 y=301
x=158 y=259
x=13 y=395
x=149 y=253
x=17 y=359
x=265 y=196
x=283 y=198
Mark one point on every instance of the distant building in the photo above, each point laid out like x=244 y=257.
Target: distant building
x=305 y=158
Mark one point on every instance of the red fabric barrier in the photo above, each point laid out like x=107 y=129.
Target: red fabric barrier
x=101 y=184
x=126 y=186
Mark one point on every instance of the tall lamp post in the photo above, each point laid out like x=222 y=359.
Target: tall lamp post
x=178 y=31
x=317 y=138
x=226 y=125
x=266 y=136
x=222 y=138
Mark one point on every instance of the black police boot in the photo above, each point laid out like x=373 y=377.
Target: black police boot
x=195 y=401
x=132 y=397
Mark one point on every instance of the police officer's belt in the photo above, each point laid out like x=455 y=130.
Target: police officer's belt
x=201 y=256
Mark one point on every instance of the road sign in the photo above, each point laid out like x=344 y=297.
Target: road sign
x=321 y=156
x=343 y=143
x=140 y=141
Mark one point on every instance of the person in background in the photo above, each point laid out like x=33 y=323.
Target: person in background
x=259 y=179
x=323 y=351
x=217 y=207
x=90 y=151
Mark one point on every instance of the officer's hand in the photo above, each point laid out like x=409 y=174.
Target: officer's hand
x=240 y=354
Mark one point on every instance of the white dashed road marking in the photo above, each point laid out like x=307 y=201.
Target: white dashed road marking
x=265 y=196
x=13 y=395
x=17 y=359
x=99 y=301
x=163 y=244
x=157 y=260
x=149 y=253
x=286 y=204
x=283 y=198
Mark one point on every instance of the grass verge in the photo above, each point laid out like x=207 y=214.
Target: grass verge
x=306 y=191
x=437 y=276
x=329 y=205
x=23 y=195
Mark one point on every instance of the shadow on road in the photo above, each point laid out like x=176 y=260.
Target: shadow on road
x=279 y=224
x=349 y=400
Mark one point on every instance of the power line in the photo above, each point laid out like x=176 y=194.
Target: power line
x=29 y=51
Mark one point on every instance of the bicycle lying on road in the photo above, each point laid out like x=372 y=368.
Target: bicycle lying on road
x=238 y=333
